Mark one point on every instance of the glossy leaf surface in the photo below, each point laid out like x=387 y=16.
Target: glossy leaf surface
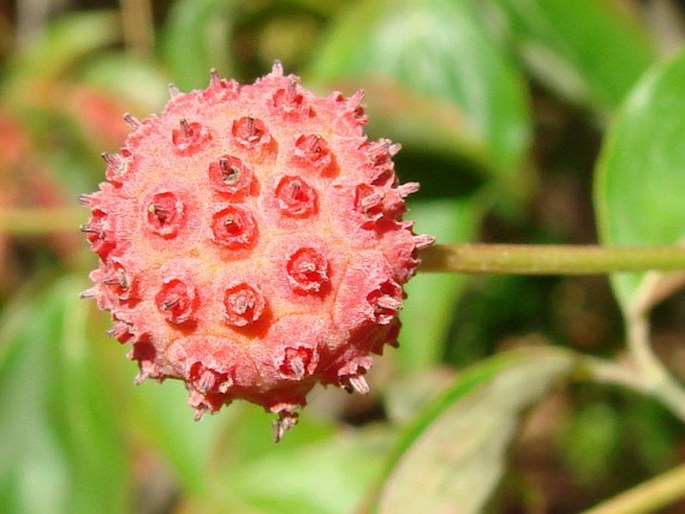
x=640 y=179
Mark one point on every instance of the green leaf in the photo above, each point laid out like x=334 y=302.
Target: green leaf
x=251 y=434
x=441 y=50
x=61 y=451
x=432 y=297
x=591 y=442
x=66 y=42
x=160 y=415
x=453 y=457
x=590 y=50
x=315 y=468
x=421 y=123
x=159 y=418
x=640 y=179
x=329 y=476
x=197 y=38
x=131 y=78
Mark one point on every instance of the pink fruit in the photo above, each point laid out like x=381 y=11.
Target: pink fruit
x=251 y=243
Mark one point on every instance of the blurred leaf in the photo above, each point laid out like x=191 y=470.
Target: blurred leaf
x=248 y=435
x=131 y=78
x=316 y=468
x=590 y=50
x=591 y=442
x=322 y=7
x=411 y=393
x=453 y=457
x=60 y=448
x=640 y=179
x=419 y=122
x=441 y=50
x=428 y=312
x=66 y=41
x=158 y=416
x=652 y=433
x=197 y=38
x=162 y=417
x=329 y=476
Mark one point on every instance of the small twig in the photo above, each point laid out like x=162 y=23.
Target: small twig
x=649 y=496
x=550 y=259
x=661 y=384
x=612 y=372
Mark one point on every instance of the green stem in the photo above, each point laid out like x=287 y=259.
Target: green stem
x=550 y=259
x=649 y=496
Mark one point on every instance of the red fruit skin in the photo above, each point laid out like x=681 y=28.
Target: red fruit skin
x=251 y=243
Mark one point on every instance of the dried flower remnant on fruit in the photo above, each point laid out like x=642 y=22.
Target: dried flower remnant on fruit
x=251 y=243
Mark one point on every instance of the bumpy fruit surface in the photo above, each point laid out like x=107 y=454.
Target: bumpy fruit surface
x=251 y=243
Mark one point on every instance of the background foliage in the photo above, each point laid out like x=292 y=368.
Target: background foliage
x=535 y=121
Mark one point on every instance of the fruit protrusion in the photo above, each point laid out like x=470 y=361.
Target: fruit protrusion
x=307 y=270
x=131 y=121
x=189 y=138
x=350 y=375
x=230 y=176
x=357 y=383
x=295 y=197
x=375 y=203
x=118 y=282
x=164 y=214
x=380 y=167
x=369 y=203
x=99 y=234
x=234 y=228
x=422 y=241
x=287 y=419
x=120 y=331
x=117 y=167
x=351 y=108
x=313 y=151
x=356 y=109
x=288 y=102
x=145 y=353
x=385 y=301
x=251 y=134
x=174 y=91
x=243 y=304
x=176 y=300
x=298 y=362
x=206 y=380
x=220 y=89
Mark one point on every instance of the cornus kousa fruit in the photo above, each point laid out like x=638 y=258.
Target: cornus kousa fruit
x=251 y=243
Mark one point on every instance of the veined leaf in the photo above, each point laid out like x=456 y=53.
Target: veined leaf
x=590 y=50
x=640 y=179
x=439 y=49
x=452 y=459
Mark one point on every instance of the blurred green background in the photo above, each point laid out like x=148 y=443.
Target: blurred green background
x=501 y=107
